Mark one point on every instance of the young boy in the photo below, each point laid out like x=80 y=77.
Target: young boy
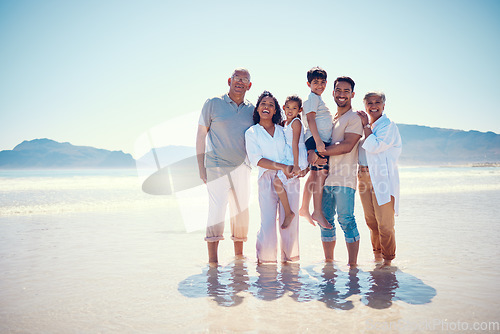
x=318 y=123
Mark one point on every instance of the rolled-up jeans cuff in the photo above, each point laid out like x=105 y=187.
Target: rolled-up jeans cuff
x=213 y=239
x=239 y=239
x=328 y=239
x=351 y=240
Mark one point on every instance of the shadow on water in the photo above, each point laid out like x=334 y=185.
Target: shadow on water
x=325 y=283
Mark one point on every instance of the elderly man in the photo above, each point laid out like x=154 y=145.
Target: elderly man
x=378 y=176
x=220 y=147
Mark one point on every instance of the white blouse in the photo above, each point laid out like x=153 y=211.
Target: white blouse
x=260 y=144
x=383 y=148
x=289 y=158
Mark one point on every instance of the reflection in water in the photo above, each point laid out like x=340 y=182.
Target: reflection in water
x=325 y=283
x=383 y=285
x=221 y=283
x=268 y=285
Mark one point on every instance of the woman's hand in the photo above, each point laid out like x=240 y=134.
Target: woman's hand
x=295 y=170
x=287 y=170
x=363 y=116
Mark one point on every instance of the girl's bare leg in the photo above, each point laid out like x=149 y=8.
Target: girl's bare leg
x=283 y=196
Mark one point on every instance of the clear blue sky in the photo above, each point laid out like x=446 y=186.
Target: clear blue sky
x=101 y=73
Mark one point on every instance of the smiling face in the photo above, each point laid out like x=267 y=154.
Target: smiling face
x=374 y=106
x=266 y=108
x=239 y=83
x=343 y=94
x=291 y=109
x=317 y=86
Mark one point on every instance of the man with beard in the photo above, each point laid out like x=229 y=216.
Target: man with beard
x=340 y=185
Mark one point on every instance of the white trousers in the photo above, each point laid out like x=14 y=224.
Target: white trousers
x=226 y=185
x=267 y=237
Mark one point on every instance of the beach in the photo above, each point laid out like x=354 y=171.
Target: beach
x=89 y=252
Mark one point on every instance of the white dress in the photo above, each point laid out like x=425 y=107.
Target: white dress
x=288 y=131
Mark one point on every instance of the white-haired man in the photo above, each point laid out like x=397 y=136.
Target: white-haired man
x=220 y=148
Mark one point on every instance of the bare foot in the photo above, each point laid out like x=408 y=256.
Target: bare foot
x=378 y=258
x=318 y=216
x=213 y=264
x=305 y=213
x=386 y=265
x=288 y=220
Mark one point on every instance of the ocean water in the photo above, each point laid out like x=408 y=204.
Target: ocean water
x=88 y=251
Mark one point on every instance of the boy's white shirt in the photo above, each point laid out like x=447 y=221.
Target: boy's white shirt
x=324 y=119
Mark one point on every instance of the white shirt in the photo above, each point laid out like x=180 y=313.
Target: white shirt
x=383 y=148
x=260 y=144
x=324 y=121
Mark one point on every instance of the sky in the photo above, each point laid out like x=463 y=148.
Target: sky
x=105 y=73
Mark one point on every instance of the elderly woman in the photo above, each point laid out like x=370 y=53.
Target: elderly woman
x=265 y=145
x=378 y=176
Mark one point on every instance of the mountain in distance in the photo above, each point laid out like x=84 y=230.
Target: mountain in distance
x=47 y=153
x=423 y=145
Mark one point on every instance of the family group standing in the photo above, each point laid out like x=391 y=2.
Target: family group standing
x=234 y=134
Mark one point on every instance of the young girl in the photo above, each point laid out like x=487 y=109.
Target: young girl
x=295 y=153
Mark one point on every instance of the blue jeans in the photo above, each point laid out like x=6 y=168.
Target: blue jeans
x=339 y=200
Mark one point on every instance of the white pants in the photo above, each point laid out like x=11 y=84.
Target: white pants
x=226 y=185
x=267 y=238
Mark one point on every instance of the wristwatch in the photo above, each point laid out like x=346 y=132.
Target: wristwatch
x=367 y=126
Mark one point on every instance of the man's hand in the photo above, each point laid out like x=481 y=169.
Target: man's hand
x=314 y=159
x=203 y=174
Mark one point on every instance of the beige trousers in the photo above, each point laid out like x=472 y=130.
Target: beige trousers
x=379 y=218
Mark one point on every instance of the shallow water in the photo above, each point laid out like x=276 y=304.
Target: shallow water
x=89 y=252
x=321 y=282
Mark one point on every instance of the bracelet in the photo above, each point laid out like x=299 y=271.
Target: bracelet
x=319 y=154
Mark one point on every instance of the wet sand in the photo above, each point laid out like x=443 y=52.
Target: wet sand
x=136 y=270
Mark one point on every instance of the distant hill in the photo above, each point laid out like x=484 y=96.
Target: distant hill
x=424 y=145
x=46 y=153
